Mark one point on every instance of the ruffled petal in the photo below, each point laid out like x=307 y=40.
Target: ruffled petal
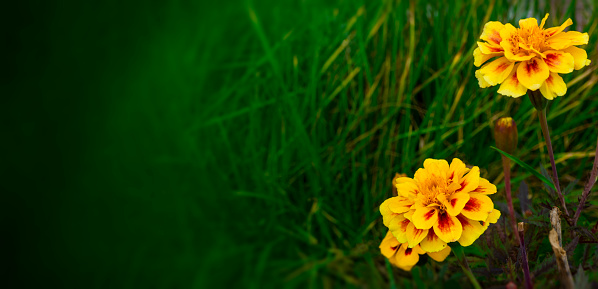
x=398 y=227
x=431 y=243
x=389 y=245
x=424 y=217
x=448 y=228
x=454 y=203
x=478 y=207
x=484 y=187
x=488 y=48
x=406 y=258
x=470 y=182
x=566 y=39
x=479 y=57
x=528 y=23
x=386 y=213
x=414 y=235
x=440 y=255
x=436 y=167
x=491 y=32
x=559 y=61
x=399 y=205
x=533 y=73
x=553 y=86
x=511 y=86
x=497 y=71
x=580 y=57
x=406 y=187
x=492 y=218
x=481 y=82
x=457 y=169
x=554 y=30
x=471 y=230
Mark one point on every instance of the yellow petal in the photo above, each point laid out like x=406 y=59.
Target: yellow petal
x=414 y=235
x=448 y=228
x=399 y=205
x=491 y=32
x=492 y=218
x=424 y=217
x=488 y=48
x=481 y=81
x=511 y=86
x=457 y=169
x=454 y=203
x=484 y=187
x=528 y=23
x=478 y=207
x=543 y=21
x=479 y=58
x=470 y=182
x=398 y=227
x=559 y=61
x=386 y=213
x=389 y=245
x=431 y=243
x=566 y=39
x=406 y=258
x=440 y=255
x=421 y=175
x=406 y=187
x=471 y=230
x=579 y=56
x=436 y=167
x=554 y=30
x=553 y=86
x=533 y=73
x=496 y=71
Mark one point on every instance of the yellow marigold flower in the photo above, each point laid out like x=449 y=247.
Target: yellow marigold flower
x=400 y=255
x=443 y=203
x=529 y=57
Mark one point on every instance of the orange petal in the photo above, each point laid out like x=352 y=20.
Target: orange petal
x=471 y=230
x=580 y=56
x=554 y=30
x=533 y=73
x=448 y=228
x=406 y=258
x=431 y=243
x=491 y=32
x=424 y=217
x=414 y=235
x=511 y=86
x=454 y=203
x=389 y=245
x=398 y=227
x=496 y=71
x=559 y=61
x=484 y=187
x=440 y=255
x=478 y=207
x=566 y=39
x=470 y=182
x=553 y=86
x=479 y=58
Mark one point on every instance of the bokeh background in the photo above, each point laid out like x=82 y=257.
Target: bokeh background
x=248 y=144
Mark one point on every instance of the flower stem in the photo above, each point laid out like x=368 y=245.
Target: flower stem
x=465 y=267
x=555 y=175
x=525 y=265
x=506 y=165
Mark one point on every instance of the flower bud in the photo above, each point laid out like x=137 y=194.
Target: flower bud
x=537 y=99
x=505 y=133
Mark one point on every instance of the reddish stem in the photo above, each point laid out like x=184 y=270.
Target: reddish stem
x=506 y=164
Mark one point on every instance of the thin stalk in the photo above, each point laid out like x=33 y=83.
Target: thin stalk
x=466 y=268
x=525 y=265
x=506 y=165
x=555 y=175
x=587 y=188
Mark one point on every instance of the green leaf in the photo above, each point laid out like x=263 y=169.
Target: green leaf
x=527 y=167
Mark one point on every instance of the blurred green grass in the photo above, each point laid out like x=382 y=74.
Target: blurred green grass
x=249 y=144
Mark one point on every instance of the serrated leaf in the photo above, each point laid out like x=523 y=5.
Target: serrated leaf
x=570 y=187
x=549 y=189
x=527 y=167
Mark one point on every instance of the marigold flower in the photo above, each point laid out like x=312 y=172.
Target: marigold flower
x=441 y=204
x=529 y=57
x=400 y=255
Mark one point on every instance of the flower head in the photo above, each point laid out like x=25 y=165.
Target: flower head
x=443 y=203
x=400 y=255
x=529 y=57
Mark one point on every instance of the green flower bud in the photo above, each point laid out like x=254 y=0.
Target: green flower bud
x=505 y=133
